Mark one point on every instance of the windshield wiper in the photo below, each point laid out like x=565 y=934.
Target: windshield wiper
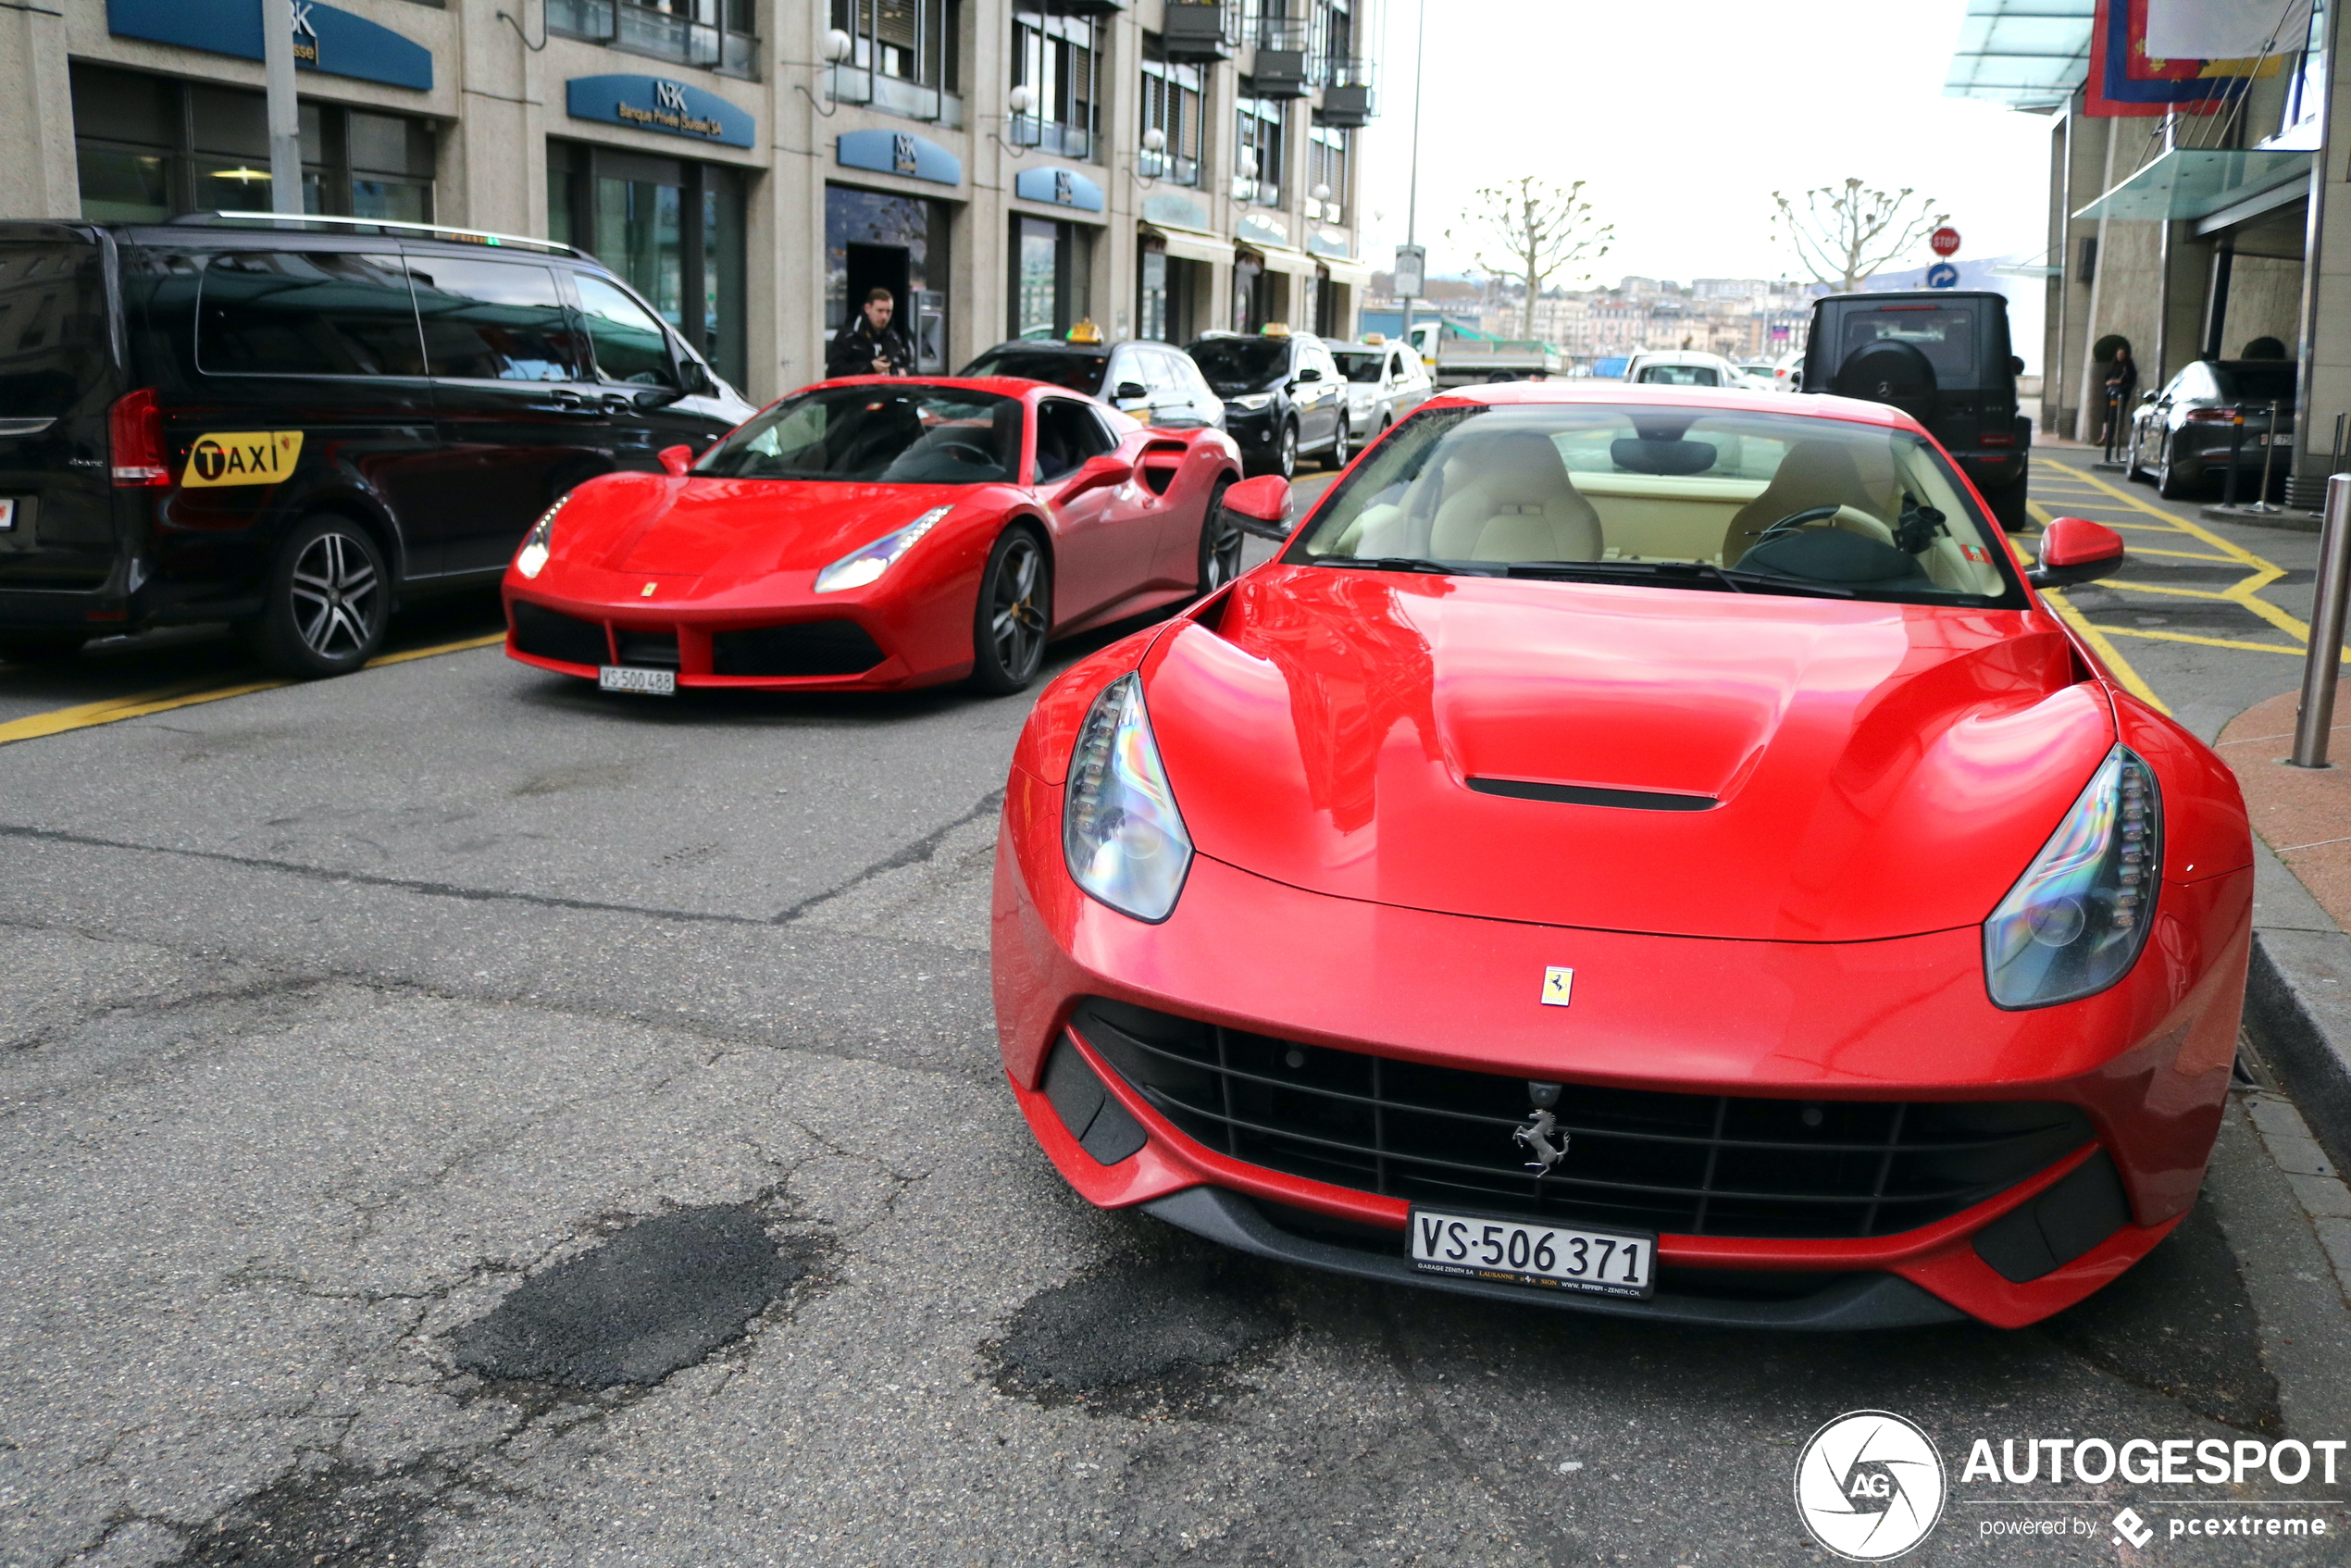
x=1410 y=564
x=1733 y=578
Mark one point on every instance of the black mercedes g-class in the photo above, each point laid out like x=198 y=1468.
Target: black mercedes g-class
x=290 y=424
x=1942 y=356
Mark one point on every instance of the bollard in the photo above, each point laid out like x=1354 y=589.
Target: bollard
x=2315 y=716
x=2268 y=451
x=2236 y=454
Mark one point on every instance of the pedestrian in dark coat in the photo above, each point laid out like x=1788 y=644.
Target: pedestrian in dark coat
x=871 y=345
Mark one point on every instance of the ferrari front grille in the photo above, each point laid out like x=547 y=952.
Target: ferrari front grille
x=658 y=649
x=834 y=647
x=550 y=634
x=1691 y=1164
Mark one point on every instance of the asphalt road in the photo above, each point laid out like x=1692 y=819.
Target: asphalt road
x=450 y=1116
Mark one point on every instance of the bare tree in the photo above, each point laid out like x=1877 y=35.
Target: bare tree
x=1530 y=229
x=1842 y=234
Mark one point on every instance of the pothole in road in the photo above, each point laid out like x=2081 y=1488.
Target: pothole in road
x=341 y=1513
x=660 y=1296
x=1145 y=1337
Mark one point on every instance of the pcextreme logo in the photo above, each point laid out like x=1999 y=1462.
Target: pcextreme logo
x=227 y=457
x=1869 y=1486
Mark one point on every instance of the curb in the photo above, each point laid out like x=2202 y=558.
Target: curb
x=2292 y=522
x=2303 y=1024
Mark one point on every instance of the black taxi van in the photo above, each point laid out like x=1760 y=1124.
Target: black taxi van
x=1942 y=356
x=292 y=424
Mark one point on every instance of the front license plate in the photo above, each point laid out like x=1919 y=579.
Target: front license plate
x=1556 y=1257
x=645 y=683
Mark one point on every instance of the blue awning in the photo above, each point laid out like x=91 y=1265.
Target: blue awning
x=2026 y=54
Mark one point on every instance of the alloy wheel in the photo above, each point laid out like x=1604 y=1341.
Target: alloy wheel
x=338 y=597
x=1016 y=620
x=1220 y=549
x=1286 y=463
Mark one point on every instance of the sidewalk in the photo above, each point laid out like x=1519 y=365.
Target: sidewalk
x=2298 y=997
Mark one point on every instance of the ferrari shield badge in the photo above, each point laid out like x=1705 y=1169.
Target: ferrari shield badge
x=1557 y=986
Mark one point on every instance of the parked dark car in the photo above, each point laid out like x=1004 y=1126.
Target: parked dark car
x=1150 y=381
x=2182 y=435
x=1942 y=356
x=294 y=425
x=1283 y=397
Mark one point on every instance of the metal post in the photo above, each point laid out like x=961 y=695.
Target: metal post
x=2236 y=452
x=285 y=118
x=2315 y=716
x=2268 y=451
x=2334 y=457
x=1412 y=191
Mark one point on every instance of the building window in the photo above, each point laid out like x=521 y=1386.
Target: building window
x=673 y=229
x=1052 y=277
x=150 y=147
x=1257 y=150
x=911 y=41
x=1059 y=60
x=1165 y=287
x=1326 y=151
x=1332 y=48
x=1172 y=107
x=716 y=34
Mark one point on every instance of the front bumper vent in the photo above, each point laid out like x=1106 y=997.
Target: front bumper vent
x=1690 y=1164
x=834 y=647
x=550 y=634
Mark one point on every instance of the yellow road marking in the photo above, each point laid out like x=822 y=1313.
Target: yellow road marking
x=2108 y=654
x=187 y=693
x=2182 y=556
x=2243 y=593
x=2211 y=641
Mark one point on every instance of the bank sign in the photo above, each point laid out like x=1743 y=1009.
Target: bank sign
x=326 y=40
x=657 y=104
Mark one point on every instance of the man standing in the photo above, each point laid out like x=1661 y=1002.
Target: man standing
x=872 y=346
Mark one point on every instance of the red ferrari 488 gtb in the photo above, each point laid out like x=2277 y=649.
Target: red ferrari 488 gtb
x=875 y=533
x=1641 y=849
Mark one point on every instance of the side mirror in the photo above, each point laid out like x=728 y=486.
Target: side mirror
x=1130 y=391
x=1310 y=374
x=1261 y=506
x=2016 y=364
x=675 y=460
x=1095 y=473
x=2076 y=550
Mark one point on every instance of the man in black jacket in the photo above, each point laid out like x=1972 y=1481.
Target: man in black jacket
x=872 y=346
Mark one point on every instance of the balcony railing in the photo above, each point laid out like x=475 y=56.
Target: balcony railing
x=1350 y=98
x=665 y=35
x=1193 y=31
x=1052 y=136
x=1168 y=167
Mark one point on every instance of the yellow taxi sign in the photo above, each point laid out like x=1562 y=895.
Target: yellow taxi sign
x=1274 y=330
x=227 y=457
x=1376 y=339
x=1086 y=332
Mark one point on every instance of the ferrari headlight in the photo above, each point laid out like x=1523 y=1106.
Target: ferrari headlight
x=1251 y=403
x=1120 y=832
x=531 y=559
x=860 y=566
x=2075 y=923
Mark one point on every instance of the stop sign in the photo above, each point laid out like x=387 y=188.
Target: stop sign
x=1946 y=241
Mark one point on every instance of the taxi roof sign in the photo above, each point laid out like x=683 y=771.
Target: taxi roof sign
x=1086 y=332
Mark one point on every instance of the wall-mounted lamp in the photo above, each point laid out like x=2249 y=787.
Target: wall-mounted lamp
x=1022 y=102
x=1321 y=193
x=1154 y=144
x=839 y=46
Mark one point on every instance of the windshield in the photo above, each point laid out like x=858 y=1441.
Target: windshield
x=1079 y=372
x=910 y=435
x=1241 y=364
x=1679 y=376
x=1359 y=367
x=1664 y=495
x=52 y=327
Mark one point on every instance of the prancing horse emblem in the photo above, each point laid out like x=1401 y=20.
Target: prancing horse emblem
x=1537 y=1135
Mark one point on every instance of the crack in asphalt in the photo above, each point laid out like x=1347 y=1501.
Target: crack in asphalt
x=914 y=854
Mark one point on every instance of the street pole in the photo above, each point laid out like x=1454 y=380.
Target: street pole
x=2315 y=719
x=285 y=119
x=1412 y=195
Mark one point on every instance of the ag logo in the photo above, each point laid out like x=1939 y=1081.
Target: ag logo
x=1869 y=1486
x=227 y=457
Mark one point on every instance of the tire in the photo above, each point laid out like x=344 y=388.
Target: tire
x=40 y=648
x=2007 y=508
x=326 y=604
x=2168 y=483
x=1221 y=540
x=1339 y=453
x=1015 y=614
x=1286 y=454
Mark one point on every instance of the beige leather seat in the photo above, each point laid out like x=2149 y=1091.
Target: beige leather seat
x=1815 y=473
x=1510 y=499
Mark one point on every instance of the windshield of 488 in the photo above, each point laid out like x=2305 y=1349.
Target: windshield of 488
x=890 y=435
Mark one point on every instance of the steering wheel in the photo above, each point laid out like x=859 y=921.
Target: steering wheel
x=1796 y=520
x=964 y=452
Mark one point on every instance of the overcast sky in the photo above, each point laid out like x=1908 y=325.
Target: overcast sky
x=1684 y=116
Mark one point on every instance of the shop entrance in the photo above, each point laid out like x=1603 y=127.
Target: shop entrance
x=671 y=226
x=894 y=242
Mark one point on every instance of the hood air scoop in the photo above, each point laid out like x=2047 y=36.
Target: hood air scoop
x=1588 y=795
